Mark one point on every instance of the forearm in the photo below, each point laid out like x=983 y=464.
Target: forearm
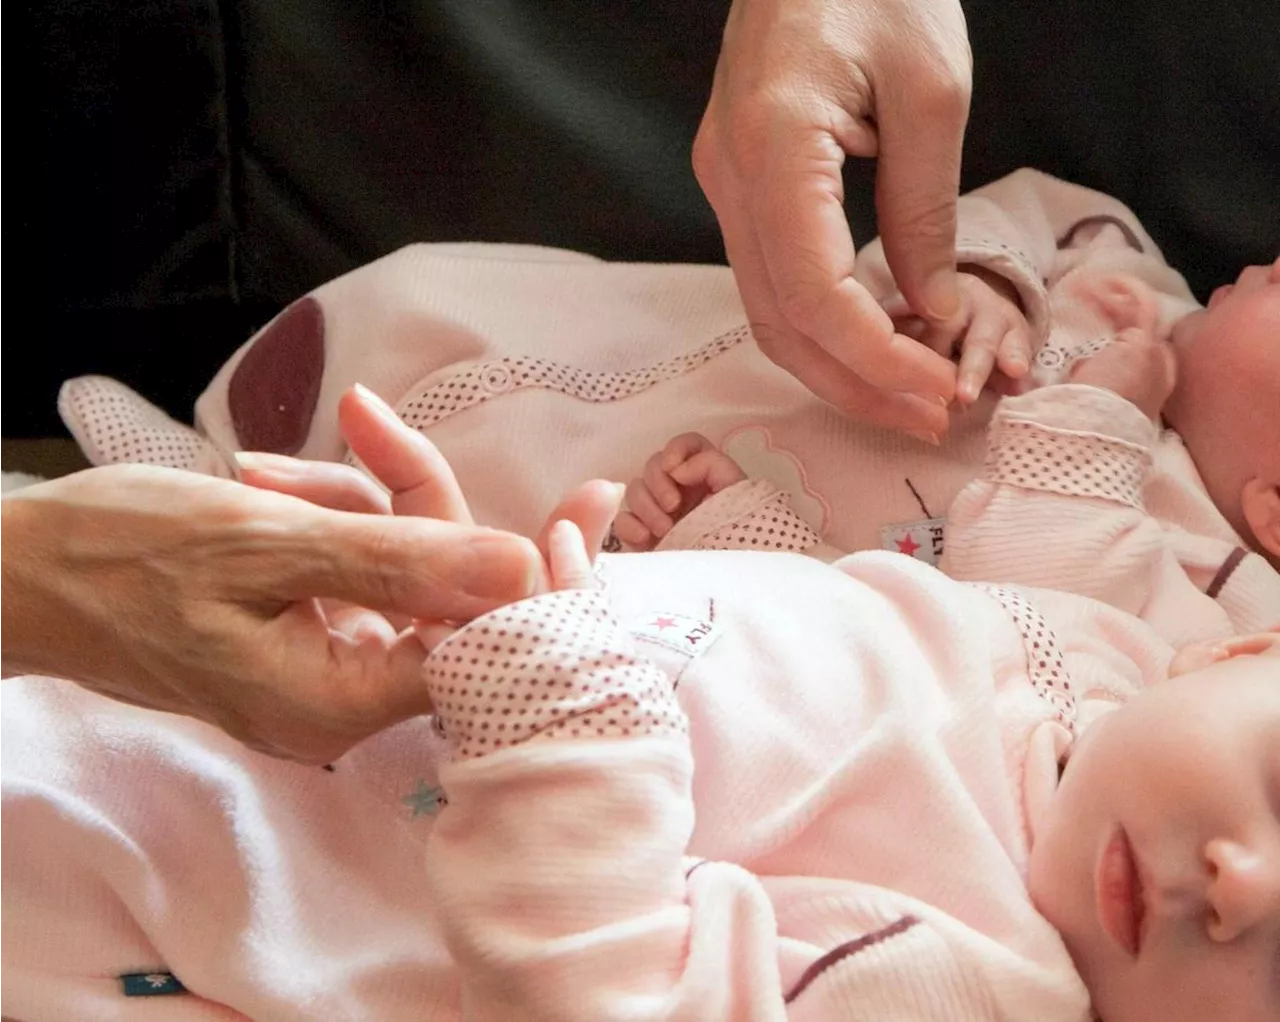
x=1060 y=506
x=559 y=864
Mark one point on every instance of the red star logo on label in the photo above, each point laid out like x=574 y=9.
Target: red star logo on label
x=664 y=622
x=907 y=545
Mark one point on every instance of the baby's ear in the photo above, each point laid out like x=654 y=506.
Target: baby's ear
x=113 y=425
x=1260 y=503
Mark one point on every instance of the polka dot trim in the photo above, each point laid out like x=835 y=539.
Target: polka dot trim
x=973 y=249
x=1045 y=668
x=552 y=668
x=1031 y=456
x=117 y=426
x=478 y=384
x=772 y=525
x=1063 y=359
x=749 y=515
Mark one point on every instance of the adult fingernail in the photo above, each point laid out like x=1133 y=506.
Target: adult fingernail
x=375 y=402
x=941 y=297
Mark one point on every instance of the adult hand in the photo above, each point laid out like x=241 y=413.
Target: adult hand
x=414 y=479
x=201 y=596
x=800 y=84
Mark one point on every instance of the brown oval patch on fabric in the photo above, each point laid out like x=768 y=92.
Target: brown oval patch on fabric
x=273 y=392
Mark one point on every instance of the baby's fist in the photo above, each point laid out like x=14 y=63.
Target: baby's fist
x=675 y=481
x=1139 y=364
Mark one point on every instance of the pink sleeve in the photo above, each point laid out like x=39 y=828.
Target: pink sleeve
x=559 y=862
x=1036 y=230
x=1059 y=506
x=750 y=515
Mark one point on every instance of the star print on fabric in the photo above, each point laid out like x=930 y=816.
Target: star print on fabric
x=425 y=800
x=150 y=984
x=907 y=545
x=664 y=623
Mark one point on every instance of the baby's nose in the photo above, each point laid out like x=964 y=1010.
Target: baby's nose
x=1244 y=888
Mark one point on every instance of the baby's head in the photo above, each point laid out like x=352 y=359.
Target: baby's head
x=1158 y=859
x=1226 y=404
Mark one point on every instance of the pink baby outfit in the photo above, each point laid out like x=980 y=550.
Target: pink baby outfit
x=842 y=832
x=729 y=785
x=534 y=370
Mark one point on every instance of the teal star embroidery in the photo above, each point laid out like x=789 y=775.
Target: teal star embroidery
x=151 y=984
x=425 y=800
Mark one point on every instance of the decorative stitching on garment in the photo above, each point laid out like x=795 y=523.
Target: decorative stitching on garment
x=1225 y=572
x=1045 y=667
x=1028 y=455
x=847 y=950
x=773 y=525
x=480 y=383
x=1065 y=359
x=551 y=667
x=1100 y=219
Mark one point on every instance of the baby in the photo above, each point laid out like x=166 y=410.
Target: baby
x=594 y=365
x=1068 y=440
x=719 y=784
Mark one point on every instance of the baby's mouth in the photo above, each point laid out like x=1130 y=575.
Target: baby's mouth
x=1121 y=901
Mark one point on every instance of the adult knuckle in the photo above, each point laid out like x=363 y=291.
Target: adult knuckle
x=705 y=157
x=945 y=95
x=800 y=300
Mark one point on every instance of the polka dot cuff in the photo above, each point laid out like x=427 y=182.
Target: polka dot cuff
x=556 y=667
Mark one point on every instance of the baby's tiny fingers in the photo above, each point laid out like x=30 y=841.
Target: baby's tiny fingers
x=1014 y=357
x=712 y=469
x=432 y=633
x=640 y=503
x=681 y=448
x=631 y=532
x=661 y=488
x=980 y=345
x=570 y=562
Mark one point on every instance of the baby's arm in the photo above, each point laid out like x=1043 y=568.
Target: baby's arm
x=1059 y=504
x=693 y=496
x=1047 y=239
x=558 y=865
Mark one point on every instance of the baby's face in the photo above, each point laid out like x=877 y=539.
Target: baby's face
x=1226 y=405
x=1159 y=857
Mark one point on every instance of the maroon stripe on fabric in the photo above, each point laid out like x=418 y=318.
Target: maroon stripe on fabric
x=1225 y=572
x=843 y=951
x=1102 y=218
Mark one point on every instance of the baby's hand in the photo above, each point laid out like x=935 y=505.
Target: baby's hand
x=991 y=332
x=676 y=480
x=1139 y=364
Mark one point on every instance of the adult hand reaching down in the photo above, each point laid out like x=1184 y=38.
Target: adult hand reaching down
x=800 y=84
